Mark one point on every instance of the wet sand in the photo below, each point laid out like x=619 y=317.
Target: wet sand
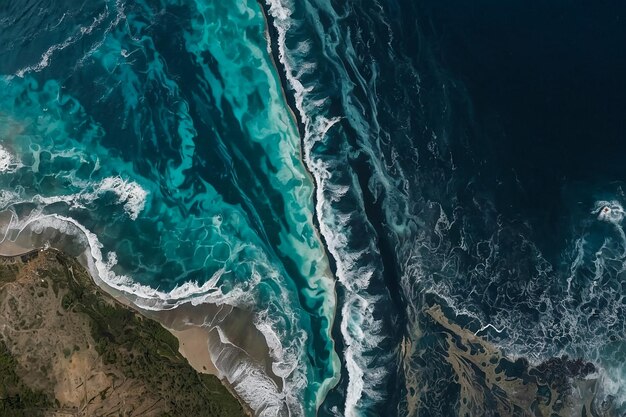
x=194 y=345
x=9 y=249
x=196 y=327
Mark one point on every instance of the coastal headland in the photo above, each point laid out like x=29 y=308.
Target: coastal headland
x=68 y=348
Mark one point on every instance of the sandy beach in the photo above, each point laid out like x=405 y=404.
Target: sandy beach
x=9 y=248
x=194 y=343
x=196 y=328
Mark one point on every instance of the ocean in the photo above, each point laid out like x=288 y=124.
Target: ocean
x=417 y=204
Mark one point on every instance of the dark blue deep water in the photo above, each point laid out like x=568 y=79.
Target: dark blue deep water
x=392 y=208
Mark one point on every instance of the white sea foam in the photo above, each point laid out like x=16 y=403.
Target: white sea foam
x=315 y=131
x=274 y=344
x=46 y=57
x=355 y=373
x=102 y=266
x=612 y=212
x=8 y=162
x=120 y=15
x=5 y=160
x=129 y=193
x=249 y=380
x=613 y=383
x=287 y=355
x=7 y=198
x=609 y=211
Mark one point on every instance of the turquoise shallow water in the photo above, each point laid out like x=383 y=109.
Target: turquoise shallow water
x=437 y=230
x=157 y=134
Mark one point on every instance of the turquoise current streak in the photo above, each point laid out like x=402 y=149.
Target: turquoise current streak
x=161 y=128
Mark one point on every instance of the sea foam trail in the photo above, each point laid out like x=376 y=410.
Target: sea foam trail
x=80 y=33
x=355 y=258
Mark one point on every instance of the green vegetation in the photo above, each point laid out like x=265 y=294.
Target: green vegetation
x=137 y=346
x=8 y=272
x=16 y=399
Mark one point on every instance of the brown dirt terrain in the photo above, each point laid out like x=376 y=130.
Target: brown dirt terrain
x=67 y=348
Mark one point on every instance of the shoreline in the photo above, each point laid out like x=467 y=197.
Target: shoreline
x=193 y=339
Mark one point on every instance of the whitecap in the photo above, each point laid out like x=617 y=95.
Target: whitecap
x=8 y=162
x=129 y=193
x=316 y=127
x=609 y=211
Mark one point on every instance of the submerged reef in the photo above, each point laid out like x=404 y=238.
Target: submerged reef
x=480 y=380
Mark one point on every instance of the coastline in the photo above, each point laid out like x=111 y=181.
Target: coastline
x=193 y=339
x=69 y=347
